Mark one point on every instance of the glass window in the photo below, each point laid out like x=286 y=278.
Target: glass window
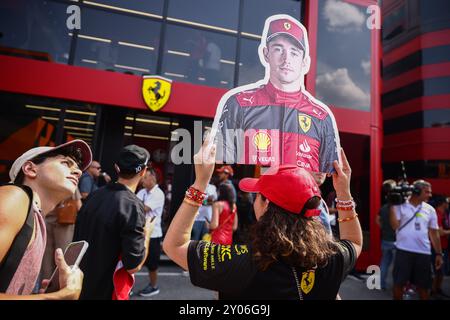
x=343 y=56
x=29 y=122
x=435 y=12
x=257 y=11
x=80 y=123
x=153 y=8
x=425 y=87
x=421 y=169
x=426 y=56
x=250 y=67
x=217 y=13
x=394 y=23
x=117 y=42
x=200 y=57
x=34 y=29
x=438 y=118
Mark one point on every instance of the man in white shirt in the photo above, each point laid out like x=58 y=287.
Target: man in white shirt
x=415 y=222
x=204 y=214
x=153 y=198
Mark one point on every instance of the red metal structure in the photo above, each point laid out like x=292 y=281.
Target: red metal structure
x=359 y=122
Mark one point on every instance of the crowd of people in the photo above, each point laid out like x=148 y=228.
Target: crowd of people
x=273 y=237
x=274 y=228
x=121 y=222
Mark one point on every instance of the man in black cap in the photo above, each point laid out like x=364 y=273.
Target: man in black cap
x=113 y=222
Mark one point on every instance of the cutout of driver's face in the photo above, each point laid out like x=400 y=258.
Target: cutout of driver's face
x=286 y=61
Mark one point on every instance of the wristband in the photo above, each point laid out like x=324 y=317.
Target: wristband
x=347 y=219
x=195 y=195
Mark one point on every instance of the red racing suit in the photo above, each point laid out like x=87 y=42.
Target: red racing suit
x=267 y=126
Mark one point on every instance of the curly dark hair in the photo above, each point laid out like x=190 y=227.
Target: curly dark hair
x=281 y=235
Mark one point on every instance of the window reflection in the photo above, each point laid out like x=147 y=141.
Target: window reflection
x=119 y=43
x=257 y=11
x=435 y=12
x=197 y=56
x=250 y=67
x=34 y=29
x=80 y=122
x=29 y=122
x=151 y=8
x=343 y=56
x=394 y=23
x=218 y=13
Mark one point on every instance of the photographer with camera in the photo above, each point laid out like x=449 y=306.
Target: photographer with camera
x=415 y=222
x=387 y=233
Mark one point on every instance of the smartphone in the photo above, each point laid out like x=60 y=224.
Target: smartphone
x=73 y=255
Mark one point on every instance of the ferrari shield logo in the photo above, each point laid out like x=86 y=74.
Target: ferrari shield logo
x=307 y=281
x=156 y=91
x=305 y=122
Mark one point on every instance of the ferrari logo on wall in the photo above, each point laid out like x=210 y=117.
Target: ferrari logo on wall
x=305 y=122
x=307 y=281
x=156 y=91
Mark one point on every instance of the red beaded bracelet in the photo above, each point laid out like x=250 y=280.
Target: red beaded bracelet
x=195 y=195
x=344 y=202
x=345 y=208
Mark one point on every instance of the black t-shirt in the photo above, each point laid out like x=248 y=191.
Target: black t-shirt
x=387 y=233
x=232 y=271
x=112 y=222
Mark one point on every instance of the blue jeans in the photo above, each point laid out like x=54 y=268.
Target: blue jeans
x=198 y=230
x=388 y=252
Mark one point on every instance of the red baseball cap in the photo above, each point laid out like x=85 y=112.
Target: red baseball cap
x=287 y=186
x=286 y=27
x=226 y=169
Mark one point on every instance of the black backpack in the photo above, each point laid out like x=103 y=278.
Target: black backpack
x=12 y=259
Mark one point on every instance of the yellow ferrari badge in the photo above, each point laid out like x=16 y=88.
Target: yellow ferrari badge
x=307 y=281
x=156 y=91
x=305 y=122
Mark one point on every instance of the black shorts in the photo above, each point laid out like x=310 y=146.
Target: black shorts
x=154 y=252
x=412 y=267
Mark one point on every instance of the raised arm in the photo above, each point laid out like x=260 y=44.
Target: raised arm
x=178 y=235
x=350 y=229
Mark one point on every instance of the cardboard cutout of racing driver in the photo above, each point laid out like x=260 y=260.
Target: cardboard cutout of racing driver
x=275 y=120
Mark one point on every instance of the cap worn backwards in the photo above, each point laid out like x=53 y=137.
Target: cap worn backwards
x=133 y=159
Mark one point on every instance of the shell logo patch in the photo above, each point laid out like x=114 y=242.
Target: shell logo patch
x=262 y=141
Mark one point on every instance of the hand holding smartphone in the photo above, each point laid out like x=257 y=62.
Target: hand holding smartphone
x=72 y=255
